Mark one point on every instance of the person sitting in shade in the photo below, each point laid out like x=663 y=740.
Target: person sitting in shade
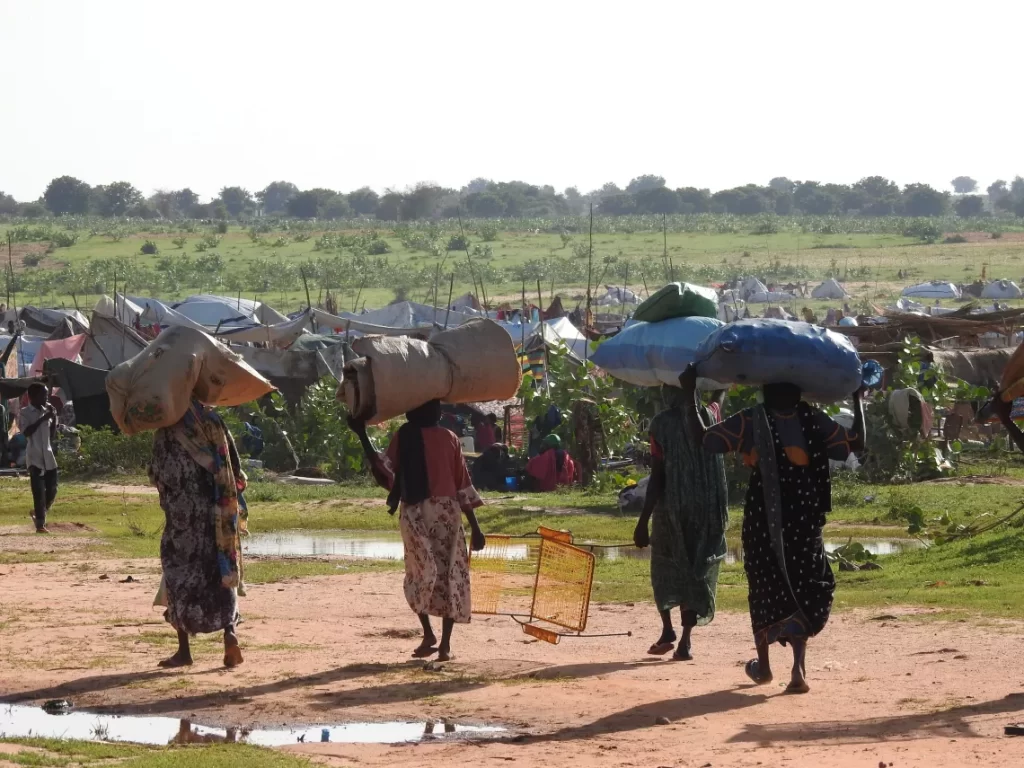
x=551 y=467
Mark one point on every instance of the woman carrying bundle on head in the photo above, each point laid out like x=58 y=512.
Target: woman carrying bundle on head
x=197 y=473
x=426 y=474
x=689 y=502
x=788 y=444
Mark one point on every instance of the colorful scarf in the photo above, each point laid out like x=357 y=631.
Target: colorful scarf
x=202 y=433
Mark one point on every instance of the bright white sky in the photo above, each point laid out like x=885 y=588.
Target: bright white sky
x=384 y=93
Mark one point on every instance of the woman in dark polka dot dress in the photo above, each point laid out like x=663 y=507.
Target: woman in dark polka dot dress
x=788 y=444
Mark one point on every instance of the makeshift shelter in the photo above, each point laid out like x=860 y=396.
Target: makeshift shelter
x=466 y=301
x=256 y=311
x=120 y=308
x=749 y=286
x=84 y=386
x=937 y=289
x=43 y=322
x=277 y=335
x=1001 y=289
x=110 y=342
x=906 y=305
x=615 y=295
x=63 y=349
x=830 y=289
x=26 y=348
x=212 y=314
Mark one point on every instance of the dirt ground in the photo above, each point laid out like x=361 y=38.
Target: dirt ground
x=902 y=689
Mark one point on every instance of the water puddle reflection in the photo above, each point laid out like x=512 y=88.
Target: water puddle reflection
x=17 y=721
x=374 y=546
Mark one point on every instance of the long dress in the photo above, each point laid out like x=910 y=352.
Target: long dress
x=689 y=520
x=197 y=601
x=795 y=602
x=436 y=556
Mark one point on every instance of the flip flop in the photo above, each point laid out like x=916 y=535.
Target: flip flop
x=660 y=649
x=423 y=652
x=682 y=654
x=752 y=669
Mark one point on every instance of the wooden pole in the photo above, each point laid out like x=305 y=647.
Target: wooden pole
x=540 y=302
x=472 y=269
x=451 y=289
x=590 y=273
x=625 y=287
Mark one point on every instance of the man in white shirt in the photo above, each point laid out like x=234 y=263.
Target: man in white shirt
x=38 y=422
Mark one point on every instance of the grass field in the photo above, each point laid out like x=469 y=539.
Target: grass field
x=267 y=265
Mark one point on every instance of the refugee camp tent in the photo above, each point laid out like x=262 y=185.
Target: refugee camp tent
x=937 y=289
x=1001 y=289
x=399 y=319
x=256 y=311
x=906 y=305
x=291 y=371
x=43 y=322
x=26 y=349
x=749 y=286
x=86 y=389
x=570 y=334
x=830 y=289
x=616 y=295
x=110 y=342
x=63 y=349
x=215 y=314
x=278 y=334
x=466 y=301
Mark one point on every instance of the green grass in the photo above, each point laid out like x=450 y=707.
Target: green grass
x=877 y=258
x=60 y=753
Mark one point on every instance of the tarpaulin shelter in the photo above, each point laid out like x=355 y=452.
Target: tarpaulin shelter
x=278 y=335
x=830 y=289
x=936 y=289
x=256 y=311
x=1001 y=289
x=43 y=322
x=110 y=342
x=63 y=349
x=84 y=386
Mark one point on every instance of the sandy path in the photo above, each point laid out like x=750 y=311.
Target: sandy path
x=907 y=690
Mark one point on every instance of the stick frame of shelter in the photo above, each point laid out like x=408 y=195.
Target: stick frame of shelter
x=359 y=294
x=437 y=277
x=540 y=303
x=590 y=273
x=472 y=269
x=12 y=295
x=664 y=250
x=451 y=290
x=522 y=322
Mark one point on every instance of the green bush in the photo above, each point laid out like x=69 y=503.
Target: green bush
x=955 y=239
x=65 y=239
x=489 y=233
x=458 y=243
x=104 y=451
x=181 y=242
x=222 y=228
x=149 y=248
x=377 y=247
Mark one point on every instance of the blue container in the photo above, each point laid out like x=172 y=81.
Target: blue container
x=512 y=483
x=871 y=374
x=325 y=735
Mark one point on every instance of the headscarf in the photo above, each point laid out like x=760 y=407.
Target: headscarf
x=203 y=434
x=412 y=484
x=555 y=443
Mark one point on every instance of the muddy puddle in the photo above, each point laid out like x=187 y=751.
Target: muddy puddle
x=374 y=546
x=17 y=721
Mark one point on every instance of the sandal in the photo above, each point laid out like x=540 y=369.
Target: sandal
x=660 y=649
x=753 y=670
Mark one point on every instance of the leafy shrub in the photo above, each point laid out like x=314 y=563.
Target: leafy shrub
x=377 y=247
x=65 y=239
x=31 y=259
x=995 y=234
x=903 y=507
x=458 y=243
x=923 y=229
x=222 y=228
x=104 y=451
x=954 y=239
x=181 y=242
x=489 y=233
x=149 y=248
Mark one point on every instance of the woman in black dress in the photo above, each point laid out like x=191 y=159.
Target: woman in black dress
x=788 y=444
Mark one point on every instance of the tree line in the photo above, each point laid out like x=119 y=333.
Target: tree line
x=484 y=198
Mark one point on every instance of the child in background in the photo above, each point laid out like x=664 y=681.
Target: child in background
x=38 y=422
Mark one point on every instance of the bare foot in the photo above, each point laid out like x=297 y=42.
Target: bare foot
x=798 y=686
x=427 y=648
x=232 y=651
x=177 y=660
x=445 y=654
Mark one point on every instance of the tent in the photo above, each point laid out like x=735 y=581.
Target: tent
x=27 y=347
x=86 y=389
x=118 y=307
x=256 y=311
x=278 y=335
x=906 y=305
x=46 y=321
x=215 y=314
x=110 y=342
x=1001 y=289
x=830 y=289
x=749 y=286
x=614 y=295
x=570 y=334
x=400 y=319
x=937 y=289
x=63 y=349
x=467 y=301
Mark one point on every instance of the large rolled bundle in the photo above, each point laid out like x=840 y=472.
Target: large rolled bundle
x=154 y=388
x=472 y=363
x=652 y=354
x=824 y=364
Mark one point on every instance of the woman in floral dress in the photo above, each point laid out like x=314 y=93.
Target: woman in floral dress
x=196 y=470
x=426 y=474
